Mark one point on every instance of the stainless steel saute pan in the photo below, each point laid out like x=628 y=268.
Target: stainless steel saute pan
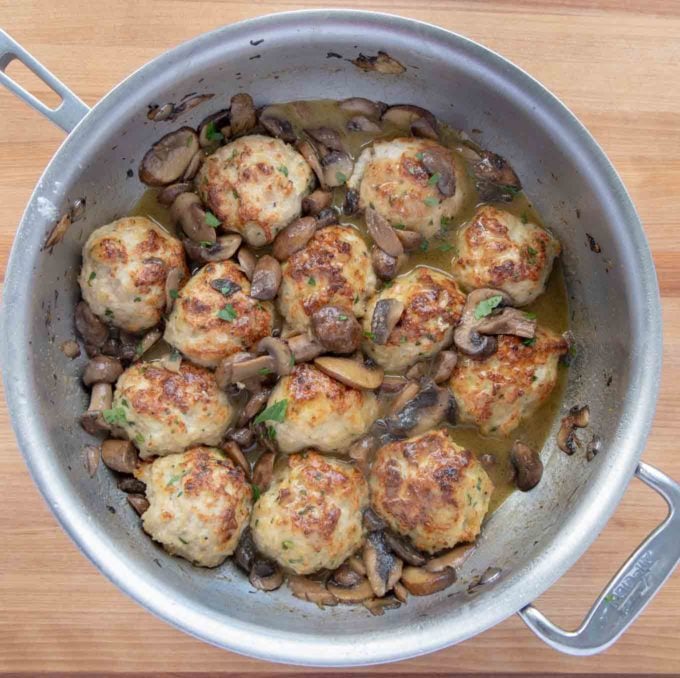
x=535 y=537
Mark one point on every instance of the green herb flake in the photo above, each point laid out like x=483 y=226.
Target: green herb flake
x=419 y=156
x=264 y=370
x=174 y=294
x=275 y=412
x=399 y=227
x=286 y=544
x=342 y=316
x=484 y=308
x=211 y=220
x=529 y=315
x=424 y=245
x=446 y=247
x=402 y=340
x=341 y=177
x=227 y=313
x=256 y=492
x=388 y=283
x=212 y=132
x=184 y=541
x=524 y=218
x=139 y=438
x=609 y=598
x=431 y=202
x=137 y=299
x=271 y=432
x=432 y=181
x=529 y=341
x=511 y=190
x=369 y=335
x=292 y=360
x=234 y=192
x=93 y=275
x=115 y=416
x=206 y=243
x=108 y=313
x=283 y=169
x=311 y=281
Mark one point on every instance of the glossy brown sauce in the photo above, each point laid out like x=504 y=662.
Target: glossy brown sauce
x=550 y=308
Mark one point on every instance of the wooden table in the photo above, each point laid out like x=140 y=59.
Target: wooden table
x=615 y=63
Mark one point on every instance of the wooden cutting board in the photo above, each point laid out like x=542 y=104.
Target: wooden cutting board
x=615 y=63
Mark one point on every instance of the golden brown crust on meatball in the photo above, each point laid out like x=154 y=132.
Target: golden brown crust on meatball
x=255 y=185
x=497 y=250
x=125 y=264
x=320 y=411
x=333 y=268
x=199 y=504
x=431 y=490
x=168 y=412
x=311 y=516
x=196 y=329
x=498 y=392
x=433 y=305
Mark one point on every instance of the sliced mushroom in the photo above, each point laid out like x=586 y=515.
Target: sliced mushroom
x=383 y=568
x=466 y=336
x=357 y=564
x=528 y=465
x=294 y=237
x=392 y=383
x=593 y=447
x=384 y=236
x=422 y=127
x=233 y=451
x=361 y=450
x=410 y=240
x=168 y=195
x=242 y=114
x=308 y=152
x=310 y=590
x=194 y=165
x=327 y=136
x=245 y=437
x=350 y=372
x=187 y=210
x=225 y=286
x=252 y=408
x=377 y=606
x=147 y=341
x=93 y=331
x=120 y=455
x=138 y=502
x=439 y=163
x=419 y=582
x=404 y=115
x=409 y=390
x=247 y=262
x=245 y=552
x=263 y=471
x=418 y=371
x=221 y=250
x=443 y=365
x=315 y=202
x=233 y=371
x=337 y=168
x=172 y=361
x=372 y=521
x=131 y=486
x=351 y=594
x=280 y=352
x=279 y=128
x=351 y=203
x=167 y=160
x=404 y=549
x=361 y=106
x=508 y=321
x=102 y=368
x=360 y=123
x=578 y=417
x=427 y=409
x=401 y=592
x=496 y=170
x=92 y=456
x=304 y=348
x=381 y=63
x=337 y=329
x=101 y=398
x=266 y=278
x=346 y=576
x=210 y=130
x=265 y=575
x=385 y=266
x=450 y=559
x=327 y=217
x=172 y=282
x=386 y=315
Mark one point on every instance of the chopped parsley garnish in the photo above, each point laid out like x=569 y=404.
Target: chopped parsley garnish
x=256 y=492
x=184 y=541
x=311 y=281
x=432 y=181
x=399 y=227
x=609 y=598
x=446 y=222
x=271 y=432
x=424 y=245
x=431 y=202
x=342 y=316
x=206 y=243
x=275 y=412
x=234 y=192
x=342 y=178
x=485 y=307
x=139 y=438
x=225 y=286
x=93 y=275
x=529 y=341
x=369 y=335
x=174 y=294
x=211 y=220
x=292 y=360
x=446 y=247
x=419 y=156
x=283 y=169
x=115 y=416
x=227 y=313
x=264 y=370
x=108 y=313
x=530 y=315
x=524 y=218
x=511 y=190
x=287 y=544
x=212 y=132
x=137 y=299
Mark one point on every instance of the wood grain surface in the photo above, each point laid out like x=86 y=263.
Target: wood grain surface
x=615 y=63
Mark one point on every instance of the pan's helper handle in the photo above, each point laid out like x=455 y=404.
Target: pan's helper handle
x=634 y=585
x=70 y=111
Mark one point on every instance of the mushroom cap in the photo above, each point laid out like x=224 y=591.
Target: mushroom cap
x=495 y=249
x=432 y=306
x=310 y=517
x=321 y=412
x=125 y=265
x=199 y=504
x=256 y=185
x=195 y=328
x=169 y=412
x=496 y=393
x=391 y=177
x=332 y=268
x=430 y=490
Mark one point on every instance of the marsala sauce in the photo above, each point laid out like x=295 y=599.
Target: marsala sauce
x=550 y=308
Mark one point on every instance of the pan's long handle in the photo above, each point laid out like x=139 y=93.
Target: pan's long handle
x=633 y=586
x=71 y=109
